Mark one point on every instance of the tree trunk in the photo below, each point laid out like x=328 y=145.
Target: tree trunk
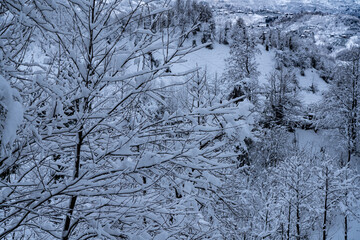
x=325 y=204
x=346 y=203
x=67 y=225
x=345 y=228
x=297 y=221
x=289 y=222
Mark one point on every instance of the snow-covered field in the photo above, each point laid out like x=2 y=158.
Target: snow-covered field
x=311 y=78
x=211 y=60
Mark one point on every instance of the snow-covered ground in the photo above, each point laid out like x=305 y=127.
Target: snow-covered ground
x=322 y=140
x=311 y=78
x=214 y=61
x=336 y=231
x=266 y=64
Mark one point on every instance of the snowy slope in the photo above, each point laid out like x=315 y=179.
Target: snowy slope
x=305 y=82
x=266 y=64
x=211 y=60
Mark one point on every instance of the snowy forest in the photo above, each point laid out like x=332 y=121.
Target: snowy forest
x=179 y=119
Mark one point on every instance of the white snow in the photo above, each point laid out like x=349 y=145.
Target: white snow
x=354 y=41
x=311 y=77
x=213 y=60
x=162 y=236
x=328 y=140
x=266 y=64
x=14 y=114
x=251 y=19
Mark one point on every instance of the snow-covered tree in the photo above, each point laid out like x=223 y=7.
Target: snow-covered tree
x=98 y=157
x=14 y=42
x=282 y=105
x=241 y=73
x=341 y=103
x=297 y=191
x=197 y=14
x=224 y=32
